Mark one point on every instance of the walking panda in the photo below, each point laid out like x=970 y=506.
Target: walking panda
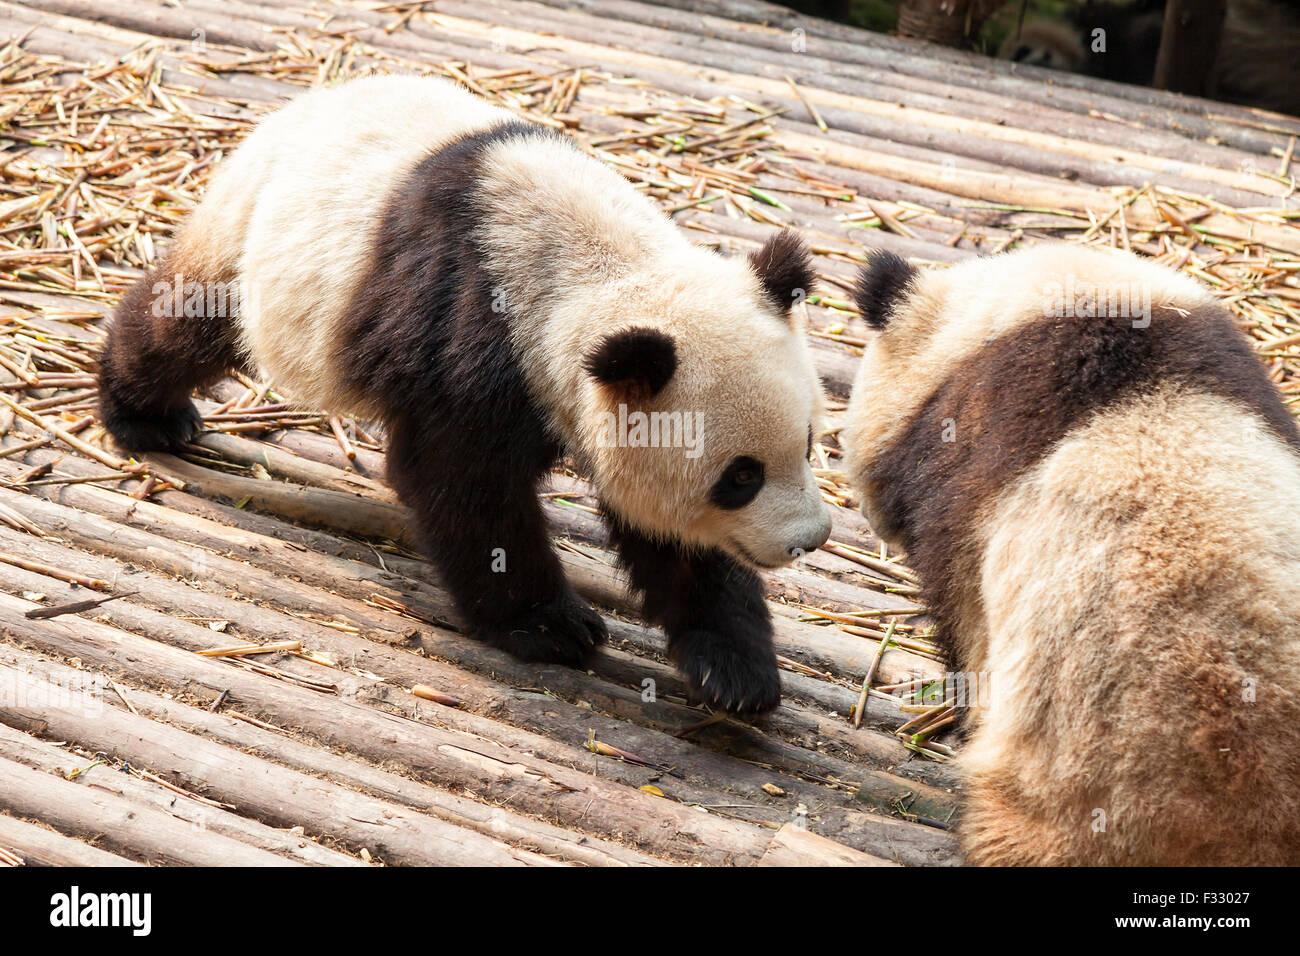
x=405 y=251
x=1100 y=490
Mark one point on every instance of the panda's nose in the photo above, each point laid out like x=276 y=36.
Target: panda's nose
x=813 y=543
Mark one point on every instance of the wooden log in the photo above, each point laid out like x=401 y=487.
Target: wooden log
x=315 y=447
x=37 y=755
x=939 y=251
x=900 y=69
x=500 y=823
x=932 y=251
x=85 y=41
x=962 y=70
x=41 y=846
x=295 y=468
x=119 y=823
x=796 y=846
x=829 y=70
x=161 y=21
x=274 y=794
x=279 y=581
x=710 y=774
x=454 y=759
x=113 y=535
x=562 y=721
x=179 y=600
x=838 y=67
x=645 y=56
x=349 y=512
x=1104 y=141
x=290 y=577
x=1229 y=164
x=836 y=364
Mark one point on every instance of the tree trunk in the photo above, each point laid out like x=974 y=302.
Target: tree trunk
x=954 y=23
x=1189 y=45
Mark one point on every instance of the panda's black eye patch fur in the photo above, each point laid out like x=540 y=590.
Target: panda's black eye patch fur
x=739 y=484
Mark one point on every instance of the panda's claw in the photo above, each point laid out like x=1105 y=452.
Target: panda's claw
x=563 y=631
x=728 y=675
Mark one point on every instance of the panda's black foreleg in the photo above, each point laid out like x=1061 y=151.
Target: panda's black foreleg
x=481 y=524
x=713 y=613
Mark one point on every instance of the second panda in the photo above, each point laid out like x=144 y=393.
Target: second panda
x=1100 y=490
x=406 y=251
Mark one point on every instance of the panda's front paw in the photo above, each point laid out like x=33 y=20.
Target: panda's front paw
x=741 y=679
x=564 y=631
x=166 y=430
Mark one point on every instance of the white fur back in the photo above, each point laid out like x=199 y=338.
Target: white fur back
x=299 y=203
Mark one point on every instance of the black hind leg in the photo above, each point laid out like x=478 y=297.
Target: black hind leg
x=166 y=339
x=479 y=519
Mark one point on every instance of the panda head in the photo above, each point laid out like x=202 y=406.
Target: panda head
x=1045 y=43
x=929 y=324
x=701 y=403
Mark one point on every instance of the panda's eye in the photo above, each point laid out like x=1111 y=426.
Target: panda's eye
x=739 y=484
x=808 y=453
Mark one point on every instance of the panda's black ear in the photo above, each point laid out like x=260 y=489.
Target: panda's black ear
x=634 y=362
x=784 y=269
x=882 y=284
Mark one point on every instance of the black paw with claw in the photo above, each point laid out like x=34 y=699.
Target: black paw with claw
x=740 y=680
x=169 y=429
x=564 y=631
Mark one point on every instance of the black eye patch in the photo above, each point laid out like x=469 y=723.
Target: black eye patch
x=808 y=453
x=739 y=484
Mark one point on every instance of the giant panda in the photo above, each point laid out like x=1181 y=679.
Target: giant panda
x=1100 y=491
x=405 y=251
x=1045 y=43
